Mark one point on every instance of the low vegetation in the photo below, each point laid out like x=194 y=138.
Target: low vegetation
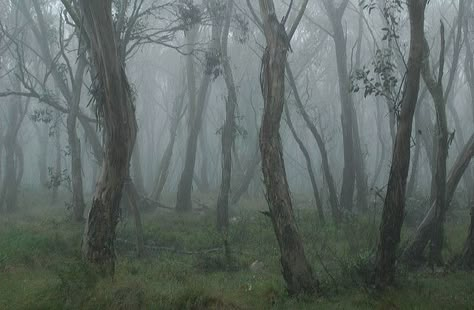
x=187 y=267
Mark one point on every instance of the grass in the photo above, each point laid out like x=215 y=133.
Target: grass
x=41 y=267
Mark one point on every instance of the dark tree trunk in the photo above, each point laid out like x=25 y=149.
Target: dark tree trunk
x=297 y=272
x=228 y=130
x=394 y=206
x=57 y=171
x=116 y=108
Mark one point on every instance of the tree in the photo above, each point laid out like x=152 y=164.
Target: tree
x=353 y=159
x=228 y=130
x=394 y=204
x=114 y=102
x=297 y=272
x=183 y=197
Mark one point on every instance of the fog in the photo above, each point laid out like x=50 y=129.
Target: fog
x=317 y=117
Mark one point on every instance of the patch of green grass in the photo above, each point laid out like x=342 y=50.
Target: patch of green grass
x=41 y=267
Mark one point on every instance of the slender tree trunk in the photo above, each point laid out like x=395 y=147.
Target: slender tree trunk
x=10 y=190
x=43 y=137
x=228 y=131
x=115 y=106
x=394 y=206
x=78 y=204
x=309 y=167
x=249 y=173
x=166 y=159
x=333 y=200
x=57 y=171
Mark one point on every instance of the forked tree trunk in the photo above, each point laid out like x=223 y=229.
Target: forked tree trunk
x=297 y=272
x=394 y=206
x=115 y=106
x=441 y=135
x=183 y=197
x=228 y=131
x=335 y=14
x=309 y=167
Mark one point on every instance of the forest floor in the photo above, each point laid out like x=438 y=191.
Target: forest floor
x=186 y=268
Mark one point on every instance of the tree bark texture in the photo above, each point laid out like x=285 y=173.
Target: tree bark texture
x=116 y=108
x=296 y=270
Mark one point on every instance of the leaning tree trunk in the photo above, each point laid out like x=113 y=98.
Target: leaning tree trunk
x=414 y=252
x=166 y=159
x=309 y=167
x=115 y=106
x=249 y=173
x=394 y=206
x=333 y=200
x=296 y=269
x=228 y=131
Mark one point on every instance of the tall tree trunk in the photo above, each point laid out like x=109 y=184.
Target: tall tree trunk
x=183 y=197
x=10 y=190
x=78 y=204
x=228 y=131
x=394 y=206
x=348 y=176
x=116 y=108
x=297 y=272
x=309 y=167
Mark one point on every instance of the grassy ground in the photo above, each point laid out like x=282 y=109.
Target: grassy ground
x=40 y=265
